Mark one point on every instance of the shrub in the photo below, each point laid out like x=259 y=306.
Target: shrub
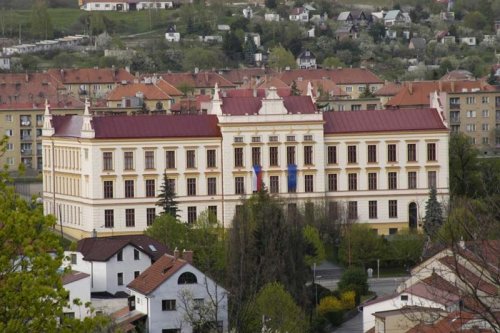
x=331 y=308
x=348 y=300
x=354 y=279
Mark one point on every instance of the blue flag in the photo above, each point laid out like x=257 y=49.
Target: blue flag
x=292 y=177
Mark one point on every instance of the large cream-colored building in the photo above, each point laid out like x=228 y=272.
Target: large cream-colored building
x=104 y=173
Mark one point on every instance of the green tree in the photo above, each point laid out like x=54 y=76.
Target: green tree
x=202 y=58
x=41 y=24
x=275 y=309
x=271 y=3
x=464 y=175
x=280 y=58
x=355 y=279
x=333 y=62
x=360 y=245
x=294 y=89
x=377 y=31
x=433 y=219
x=169 y=231
x=475 y=20
x=32 y=296
x=249 y=49
x=311 y=235
x=231 y=45
x=166 y=198
x=406 y=247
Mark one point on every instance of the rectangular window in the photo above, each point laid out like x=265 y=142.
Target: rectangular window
x=128 y=158
x=212 y=210
x=73 y=259
x=486 y=113
x=431 y=179
x=107 y=158
x=412 y=180
x=372 y=153
x=238 y=157
x=471 y=114
x=273 y=156
x=150 y=216
x=273 y=138
x=108 y=189
x=332 y=182
x=119 y=256
x=309 y=183
x=168 y=305
x=119 y=277
x=485 y=127
x=290 y=138
x=431 y=151
x=239 y=185
x=255 y=139
x=372 y=181
x=170 y=159
x=372 y=209
x=274 y=184
x=470 y=127
x=332 y=154
x=412 y=152
x=308 y=137
x=149 y=159
x=393 y=231
x=351 y=154
x=290 y=155
x=137 y=255
x=352 y=210
x=136 y=274
x=129 y=189
x=150 y=188
x=191 y=214
x=391 y=153
x=392 y=180
x=256 y=156
x=238 y=139
x=211 y=186
x=191 y=186
x=190 y=159
x=308 y=155
x=352 y=181
x=109 y=218
x=211 y=158
x=393 y=208
x=470 y=100
x=130 y=217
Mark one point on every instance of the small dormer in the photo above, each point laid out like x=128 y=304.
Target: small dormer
x=272 y=103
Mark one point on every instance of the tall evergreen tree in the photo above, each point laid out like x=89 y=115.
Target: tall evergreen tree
x=166 y=198
x=433 y=214
x=249 y=49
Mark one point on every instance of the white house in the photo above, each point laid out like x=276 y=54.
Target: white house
x=223 y=27
x=248 y=12
x=112 y=262
x=395 y=17
x=306 y=60
x=4 y=62
x=471 y=41
x=272 y=17
x=77 y=284
x=299 y=14
x=172 y=35
x=254 y=36
x=211 y=39
x=173 y=287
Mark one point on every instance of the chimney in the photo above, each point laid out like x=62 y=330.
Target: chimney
x=27 y=77
x=188 y=256
x=440 y=85
x=176 y=254
x=410 y=88
x=452 y=86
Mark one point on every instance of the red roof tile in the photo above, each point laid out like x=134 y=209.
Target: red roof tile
x=251 y=105
x=339 y=75
x=142 y=126
x=198 y=80
x=453 y=322
x=91 y=75
x=469 y=277
x=382 y=121
x=261 y=93
x=242 y=75
x=326 y=86
x=156 y=274
x=150 y=92
x=389 y=89
x=73 y=276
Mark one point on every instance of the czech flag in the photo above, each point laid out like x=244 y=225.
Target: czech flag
x=257 y=178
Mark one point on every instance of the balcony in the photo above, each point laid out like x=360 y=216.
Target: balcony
x=25 y=123
x=26 y=152
x=39 y=123
x=454 y=120
x=454 y=105
x=26 y=138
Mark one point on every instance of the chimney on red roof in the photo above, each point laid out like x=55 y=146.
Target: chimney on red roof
x=188 y=256
x=440 y=85
x=410 y=88
x=176 y=254
x=452 y=86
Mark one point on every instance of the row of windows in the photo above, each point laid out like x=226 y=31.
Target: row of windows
x=392 y=180
x=352 y=209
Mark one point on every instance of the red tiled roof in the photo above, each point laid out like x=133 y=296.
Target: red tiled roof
x=241 y=75
x=251 y=105
x=168 y=88
x=150 y=91
x=451 y=323
x=143 y=126
x=103 y=248
x=273 y=82
x=433 y=293
x=190 y=103
x=382 y=121
x=90 y=75
x=388 y=89
x=326 y=86
x=339 y=75
x=469 y=277
x=457 y=75
x=261 y=93
x=156 y=274
x=416 y=94
x=73 y=276
x=199 y=80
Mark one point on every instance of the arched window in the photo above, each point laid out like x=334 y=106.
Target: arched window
x=187 y=278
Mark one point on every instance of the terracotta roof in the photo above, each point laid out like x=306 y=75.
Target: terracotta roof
x=433 y=293
x=388 y=89
x=327 y=86
x=338 y=75
x=168 y=88
x=468 y=276
x=415 y=94
x=272 y=82
x=199 y=80
x=252 y=105
x=73 y=276
x=453 y=322
x=380 y=299
x=406 y=310
x=242 y=75
x=143 y=126
x=259 y=92
x=438 y=282
x=30 y=90
x=457 y=75
x=150 y=91
x=382 y=121
x=190 y=103
x=103 y=248
x=90 y=75
x=156 y=274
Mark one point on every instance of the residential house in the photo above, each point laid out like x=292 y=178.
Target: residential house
x=497 y=27
x=148 y=97
x=4 y=62
x=395 y=17
x=77 y=284
x=346 y=32
x=254 y=36
x=211 y=39
x=418 y=44
x=448 y=39
x=471 y=41
x=356 y=17
x=306 y=60
x=223 y=27
x=405 y=319
x=271 y=17
x=311 y=33
x=248 y=12
x=123 y=5
x=345 y=17
x=387 y=91
x=247 y=77
x=171 y=288
x=458 y=321
x=172 y=35
x=119 y=162
x=197 y=83
x=113 y=262
x=299 y=14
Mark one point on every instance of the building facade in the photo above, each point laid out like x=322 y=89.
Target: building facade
x=104 y=173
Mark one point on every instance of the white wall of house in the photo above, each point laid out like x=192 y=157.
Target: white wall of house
x=170 y=290
x=79 y=289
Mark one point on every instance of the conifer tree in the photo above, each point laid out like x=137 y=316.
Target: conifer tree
x=433 y=214
x=166 y=198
